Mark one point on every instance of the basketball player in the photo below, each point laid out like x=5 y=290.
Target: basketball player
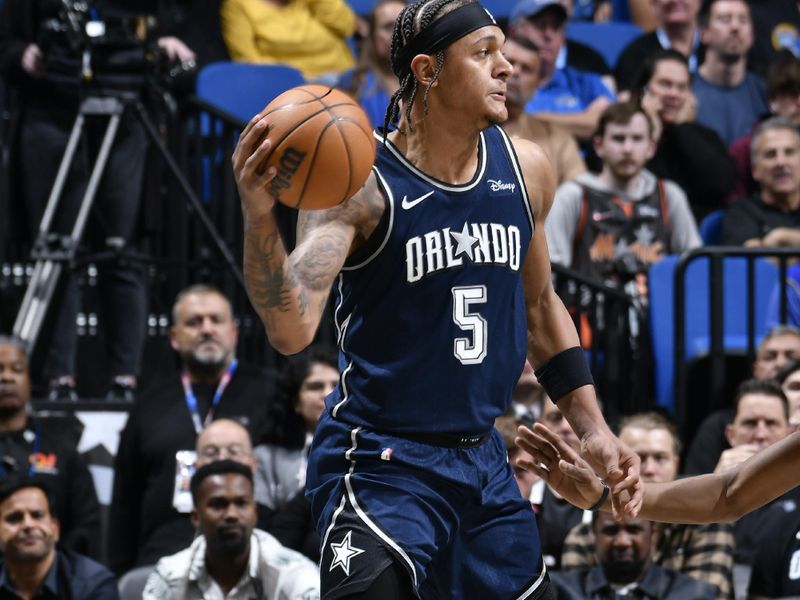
x=709 y=498
x=438 y=262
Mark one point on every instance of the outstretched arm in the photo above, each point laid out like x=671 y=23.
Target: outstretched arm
x=551 y=331
x=289 y=291
x=707 y=498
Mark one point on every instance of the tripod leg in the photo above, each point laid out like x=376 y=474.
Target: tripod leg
x=49 y=264
x=197 y=205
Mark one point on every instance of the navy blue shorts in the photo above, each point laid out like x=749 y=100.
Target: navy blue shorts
x=453 y=517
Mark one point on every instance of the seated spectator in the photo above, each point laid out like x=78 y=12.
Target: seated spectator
x=230 y=558
x=792 y=293
x=31 y=566
x=613 y=226
x=528 y=396
x=730 y=99
x=626 y=568
x=558 y=144
x=372 y=82
x=783 y=95
x=281 y=454
x=775 y=568
x=191 y=30
x=776 y=27
x=676 y=29
x=566 y=96
x=691 y=155
x=555 y=517
x=149 y=515
x=780 y=346
x=703 y=552
x=772 y=217
x=580 y=56
x=507 y=426
x=309 y=36
x=30 y=448
x=789 y=378
x=760 y=420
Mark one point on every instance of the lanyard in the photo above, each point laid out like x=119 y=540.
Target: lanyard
x=666 y=44
x=191 y=399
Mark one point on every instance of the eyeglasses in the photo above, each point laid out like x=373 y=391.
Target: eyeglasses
x=231 y=451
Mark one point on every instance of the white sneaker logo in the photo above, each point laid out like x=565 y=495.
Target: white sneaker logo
x=406 y=204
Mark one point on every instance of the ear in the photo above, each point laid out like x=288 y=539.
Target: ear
x=729 y=433
x=56 y=529
x=597 y=143
x=173 y=338
x=423 y=66
x=195 y=519
x=651 y=150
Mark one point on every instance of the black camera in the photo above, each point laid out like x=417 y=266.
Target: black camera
x=108 y=49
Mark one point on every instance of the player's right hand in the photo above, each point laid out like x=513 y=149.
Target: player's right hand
x=252 y=178
x=559 y=465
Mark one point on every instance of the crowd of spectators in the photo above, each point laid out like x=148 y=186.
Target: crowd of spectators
x=698 y=114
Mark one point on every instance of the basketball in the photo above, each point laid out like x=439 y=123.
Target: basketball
x=323 y=147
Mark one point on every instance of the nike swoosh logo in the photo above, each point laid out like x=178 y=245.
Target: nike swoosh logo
x=406 y=204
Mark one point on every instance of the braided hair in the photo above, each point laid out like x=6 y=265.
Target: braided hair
x=413 y=19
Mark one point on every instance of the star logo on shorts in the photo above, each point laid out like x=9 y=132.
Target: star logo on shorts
x=343 y=552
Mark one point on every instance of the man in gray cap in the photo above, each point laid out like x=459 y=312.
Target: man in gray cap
x=566 y=96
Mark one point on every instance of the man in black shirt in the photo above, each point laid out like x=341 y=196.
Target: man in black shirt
x=776 y=570
x=28 y=447
x=32 y=567
x=149 y=511
x=771 y=218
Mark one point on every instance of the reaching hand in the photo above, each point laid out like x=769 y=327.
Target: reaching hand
x=559 y=465
x=618 y=465
x=175 y=49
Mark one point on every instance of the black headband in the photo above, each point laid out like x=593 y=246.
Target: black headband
x=441 y=33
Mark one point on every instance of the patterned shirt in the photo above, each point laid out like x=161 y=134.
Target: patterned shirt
x=272 y=572
x=704 y=552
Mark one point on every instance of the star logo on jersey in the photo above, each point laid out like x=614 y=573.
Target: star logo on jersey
x=343 y=552
x=466 y=242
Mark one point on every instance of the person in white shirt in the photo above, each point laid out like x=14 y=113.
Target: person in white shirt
x=230 y=560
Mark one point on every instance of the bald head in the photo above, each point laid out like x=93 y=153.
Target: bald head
x=224 y=438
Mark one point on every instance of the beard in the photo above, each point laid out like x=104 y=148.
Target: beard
x=229 y=544
x=205 y=360
x=623 y=571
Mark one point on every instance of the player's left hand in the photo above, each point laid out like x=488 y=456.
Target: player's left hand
x=618 y=465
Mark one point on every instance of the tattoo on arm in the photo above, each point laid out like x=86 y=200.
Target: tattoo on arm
x=269 y=287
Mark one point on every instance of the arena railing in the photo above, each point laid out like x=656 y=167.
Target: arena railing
x=722 y=298
x=613 y=333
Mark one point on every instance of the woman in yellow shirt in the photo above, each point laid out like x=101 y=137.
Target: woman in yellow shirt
x=309 y=35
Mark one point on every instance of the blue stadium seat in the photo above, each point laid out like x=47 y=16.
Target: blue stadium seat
x=609 y=39
x=620 y=11
x=711 y=228
x=361 y=7
x=500 y=9
x=243 y=89
x=698 y=326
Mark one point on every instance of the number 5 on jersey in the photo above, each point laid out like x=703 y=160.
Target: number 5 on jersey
x=469 y=352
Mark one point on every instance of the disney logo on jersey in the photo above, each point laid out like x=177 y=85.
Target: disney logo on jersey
x=500 y=187
x=480 y=243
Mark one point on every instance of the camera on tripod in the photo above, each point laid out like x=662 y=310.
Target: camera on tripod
x=109 y=50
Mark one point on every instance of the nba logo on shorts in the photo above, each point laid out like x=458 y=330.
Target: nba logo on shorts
x=386 y=454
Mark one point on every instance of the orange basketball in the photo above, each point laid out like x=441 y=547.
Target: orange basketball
x=323 y=147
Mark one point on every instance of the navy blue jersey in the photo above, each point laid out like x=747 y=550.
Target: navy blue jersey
x=430 y=318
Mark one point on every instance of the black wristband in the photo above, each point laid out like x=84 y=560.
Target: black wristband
x=564 y=372
x=603 y=497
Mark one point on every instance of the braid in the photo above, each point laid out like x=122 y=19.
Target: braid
x=413 y=19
